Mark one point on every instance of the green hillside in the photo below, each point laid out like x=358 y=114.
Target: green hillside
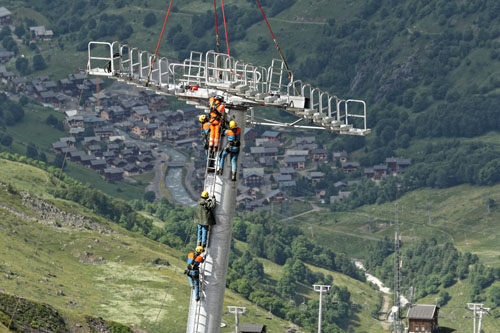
x=81 y=264
x=97 y=269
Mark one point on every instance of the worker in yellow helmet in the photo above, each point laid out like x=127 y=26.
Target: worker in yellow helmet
x=205 y=131
x=195 y=259
x=204 y=216
x=232 y=147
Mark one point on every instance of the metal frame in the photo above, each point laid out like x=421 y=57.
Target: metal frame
x=241 y=83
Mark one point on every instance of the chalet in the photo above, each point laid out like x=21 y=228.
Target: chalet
x=288 y=171
x=397 y=165
x=339 y=156
x=87 y=160
x=253 y=205
x=6 y=55
x=341 y=196
x=271 y=135
x=5 y=16
x=113 y=173
x=140 y=112
x=40 y=33
x=253 y=328
x=264 y=152
x=250 y=134
x=140 y=130
x=244 y=198
x=319 y=154
x=380 y=171
x=369 y=173
x=91 y=140
x=349 y=167
x=294 y=152
x=304 y=140
x=67 y=150
x=114 y=113
x=189 y=113
x=93 y=121
x=94 y=149
x=161 y=133
x=66 y=85
x=113 y=147
x=131 y=169
x=76 y=156
x=248 y=161
x=145 y=158
x=287 y=184
x=274 y=196
x=98 y=164
x=423 y=318
x=18 y=82
x=253 y=179
x=295 y=162
x=76 y=78
x=48 y=97
x=108 y=155
x=266 y=161
x=118 y=162
x=75 y=121
x=77 y=132
x=271 y=144
x=57 y=146
x=68 y=140
x=104 y=132
x=282 y=178
x=145 y=166
x=315 y=176
x=7 y=76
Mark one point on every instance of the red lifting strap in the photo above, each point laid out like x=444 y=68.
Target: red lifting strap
x=225 y=27
x=216 y=27
x=159 y=41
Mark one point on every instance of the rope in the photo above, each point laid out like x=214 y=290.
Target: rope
x=159 y=41
x=71 y=134
x=225 y=27
x=216 y=27
x=161 y=307
x=276 y=43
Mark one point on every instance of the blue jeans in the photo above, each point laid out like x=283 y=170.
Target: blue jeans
x=234 y=159
x=202 y=234
x=194 y=281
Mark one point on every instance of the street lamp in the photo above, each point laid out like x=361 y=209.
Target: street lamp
x=321 y=289
x=236 y=310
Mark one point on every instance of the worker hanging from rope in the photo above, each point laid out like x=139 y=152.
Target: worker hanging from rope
x=193 y=270
x=204 y=216
x=216 y=119
x=232 y=147
x=205 y=131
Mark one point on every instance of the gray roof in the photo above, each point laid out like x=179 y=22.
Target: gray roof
x=422 y=311
x=272 y=194
x=252 y=328
x=4 y=12
x=113 y=170
x=271 y=134
x=294 y=159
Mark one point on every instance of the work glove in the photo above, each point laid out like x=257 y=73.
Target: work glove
x=186 y=271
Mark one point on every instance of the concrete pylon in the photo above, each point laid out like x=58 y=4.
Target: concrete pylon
x=205 y=316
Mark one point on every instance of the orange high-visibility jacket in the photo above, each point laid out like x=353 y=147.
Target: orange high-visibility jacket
x=194 y=260
x=216 y=116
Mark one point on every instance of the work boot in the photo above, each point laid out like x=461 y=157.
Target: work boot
x=233 y=176
x=198 y=299
x=219 y=172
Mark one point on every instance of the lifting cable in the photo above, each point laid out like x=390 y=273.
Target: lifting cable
x=159 y=41
x=275 y=42
x=225 y=27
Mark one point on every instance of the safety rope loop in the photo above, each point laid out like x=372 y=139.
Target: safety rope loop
x=159 y=41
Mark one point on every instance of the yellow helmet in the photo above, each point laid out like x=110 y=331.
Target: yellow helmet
x=199 y=249
x=232 y=124
x=204 y=194
x=202 y=118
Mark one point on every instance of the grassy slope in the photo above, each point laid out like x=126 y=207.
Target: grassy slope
x=127 y=289
x=361 y=293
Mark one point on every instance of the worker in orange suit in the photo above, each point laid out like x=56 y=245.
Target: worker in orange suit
x=216 y=119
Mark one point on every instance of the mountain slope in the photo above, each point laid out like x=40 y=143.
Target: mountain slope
x=81 y=264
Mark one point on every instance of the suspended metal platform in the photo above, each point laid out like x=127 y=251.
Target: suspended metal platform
x=244 y=86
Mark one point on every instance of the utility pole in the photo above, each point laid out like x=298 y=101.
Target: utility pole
x=397 y=326
x=311 y=227
x=320 y=288
x=478 y=310
x=428 y=206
